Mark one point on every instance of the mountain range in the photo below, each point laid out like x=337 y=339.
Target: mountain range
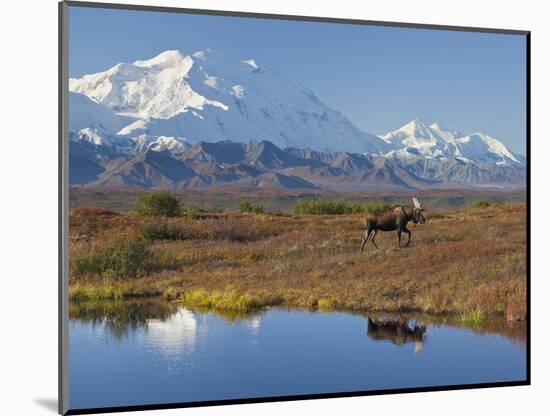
x=205 y=120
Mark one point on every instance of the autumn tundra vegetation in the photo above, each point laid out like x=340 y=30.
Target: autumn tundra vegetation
x=468 y=262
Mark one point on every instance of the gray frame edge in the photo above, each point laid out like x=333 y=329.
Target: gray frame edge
x=63 y=213
x=320 y=19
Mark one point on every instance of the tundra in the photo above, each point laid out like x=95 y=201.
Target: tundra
x=394 y=220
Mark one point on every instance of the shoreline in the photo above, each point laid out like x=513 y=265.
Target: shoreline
x=258 y=305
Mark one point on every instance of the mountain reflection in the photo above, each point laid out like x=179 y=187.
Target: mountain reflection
x=172 y=335
x=254 y=324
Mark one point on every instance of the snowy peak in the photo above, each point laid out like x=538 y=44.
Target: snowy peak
x=164 y=59
x=417 y=139
x=416 y=127
x=444 y=129
x=446 y=133
x=420 y=131
x=414 y=134
x=156 y=87
x=207 y=96
x=490 y=145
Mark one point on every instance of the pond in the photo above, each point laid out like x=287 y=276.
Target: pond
x=152 y=352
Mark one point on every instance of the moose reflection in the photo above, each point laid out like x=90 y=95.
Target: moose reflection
x=398 y=331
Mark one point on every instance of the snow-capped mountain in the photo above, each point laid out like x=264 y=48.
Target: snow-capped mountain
x=204 y=120
x=418 y=140
x=209 y=97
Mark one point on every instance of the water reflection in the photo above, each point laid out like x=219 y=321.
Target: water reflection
x=155 y=351
x=397 y=331
x=122 y=317
x=175 y=324
x=254 y=324
x=173 y=334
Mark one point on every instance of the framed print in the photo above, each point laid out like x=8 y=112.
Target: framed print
x=264 y=207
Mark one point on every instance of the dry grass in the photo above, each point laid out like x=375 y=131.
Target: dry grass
x=470 y=262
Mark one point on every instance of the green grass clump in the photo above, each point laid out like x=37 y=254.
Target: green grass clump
x=325 y=304
x=245 y=207
x=327 y=207
x=123 y=258
x=481 y=204
x=473 y=318
x=224 y=301
x=170 y=293
x=160 y=230
x=157 y=204
x=192 y=211
x=109 y=292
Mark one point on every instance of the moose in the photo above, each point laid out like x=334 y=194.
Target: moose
x=395 y=219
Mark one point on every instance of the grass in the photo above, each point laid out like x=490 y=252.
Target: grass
x=157 y=204
x=102 y=292
x=160 y=230
x=473 y=318
x=481 y=204
x=281 y=200
x=328 y=207
x=325 y=304
x=121 y=258
x=222 y=301
x=464 y=262
x=245 y=207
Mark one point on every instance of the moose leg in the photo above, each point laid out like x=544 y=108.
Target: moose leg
x=365 y=239
x=372 y=239
x=398 y=237
x=406 y=230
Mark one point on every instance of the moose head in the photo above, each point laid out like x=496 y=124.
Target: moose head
x=417 y=216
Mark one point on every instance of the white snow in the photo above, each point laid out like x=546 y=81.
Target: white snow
x=166 y=58
x=238 y=90
x=251 y=62
x=207 y=96
x=211 y=81
x=161 y=143
x=168 y=143
x=85 y=112
x=156 y=87
x=438 y=142
x=197 y=115
x=140 y=124
x=90 y=135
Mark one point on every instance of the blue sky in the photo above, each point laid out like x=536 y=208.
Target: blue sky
x=379 y=77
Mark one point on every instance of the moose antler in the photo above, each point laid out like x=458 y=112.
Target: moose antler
x=417 y=204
